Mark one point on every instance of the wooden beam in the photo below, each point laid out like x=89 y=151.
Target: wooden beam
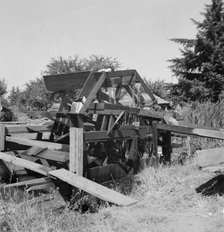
x=25 y=163
x=44 y=186
x=76 y=151
x=92 y=188
x=155 y=142
x=29 y=142
x=93 y=93
x=216 y=134
x=88 y=85
x=146 y=88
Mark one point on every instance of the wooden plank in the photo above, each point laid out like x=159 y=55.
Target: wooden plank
x=121 y=133
x=2 y=137
x=29 y=142
x=93 y=93
x=92 y=188
x=68 y=81
x=216 y=134
x=210 y=157
x=58 y=156
x=25 y=163
x=76 y=151
x=29 y=182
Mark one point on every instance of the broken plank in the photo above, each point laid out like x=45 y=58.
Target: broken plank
x=92 y=188
x=29 y=182
x=25 y=163
x=29 y=142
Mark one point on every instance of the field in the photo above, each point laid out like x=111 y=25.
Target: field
x=167 y=202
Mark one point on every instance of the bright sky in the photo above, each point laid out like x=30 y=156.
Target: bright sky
x=137 y=32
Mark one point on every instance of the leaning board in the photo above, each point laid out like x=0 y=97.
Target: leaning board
x=92 y=188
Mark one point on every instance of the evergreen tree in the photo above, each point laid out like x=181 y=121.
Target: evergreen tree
x=200 y=69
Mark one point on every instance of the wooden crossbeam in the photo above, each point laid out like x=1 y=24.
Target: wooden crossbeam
x=92 y=188
x=146 y=88
x=29 y=142
x=115 y=123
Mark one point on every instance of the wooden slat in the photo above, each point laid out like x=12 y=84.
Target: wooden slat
x=25 y=163
x=92 y=188
x=115 y=123
x=93 y=93
x=29 y=142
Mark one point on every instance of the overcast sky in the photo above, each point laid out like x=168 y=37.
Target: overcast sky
x=137 y=32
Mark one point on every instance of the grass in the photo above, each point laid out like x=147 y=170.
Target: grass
x=164 y=194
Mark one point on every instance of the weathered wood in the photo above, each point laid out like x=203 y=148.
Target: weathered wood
x=155 y=142
x=88 y=85
x=93 y=93
x=167 y=147
x=92 y=188
x=25 y=163
x=13 y=129
x=29 y=182
x=124 y=132
x=210 y=157
x=2 y=137
x=76 y=151
x=58 y=156
x=115 y=123
x=29 y=142
x=68 y=81
x=215 y=133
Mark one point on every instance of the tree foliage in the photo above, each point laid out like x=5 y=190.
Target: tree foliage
x=94 y=62
x=35 y=96
x=200 y=69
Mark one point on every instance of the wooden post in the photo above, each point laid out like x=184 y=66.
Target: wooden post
x=2 y=137
x=76 y=150
x=155 y=143
x=167 y=147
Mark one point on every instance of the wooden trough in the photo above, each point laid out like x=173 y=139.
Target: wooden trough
x=91 y=139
